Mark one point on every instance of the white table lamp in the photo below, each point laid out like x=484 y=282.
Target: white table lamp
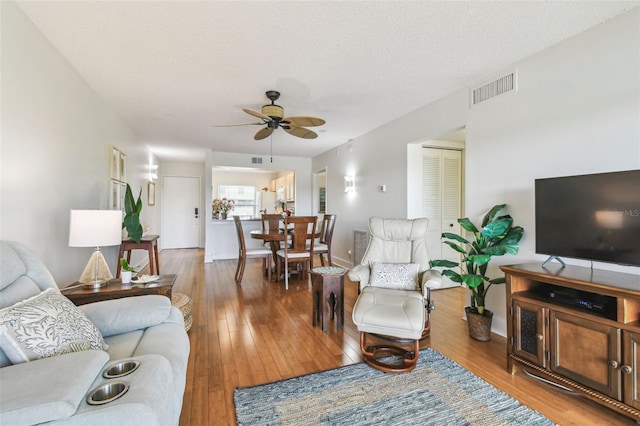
x=95 y=228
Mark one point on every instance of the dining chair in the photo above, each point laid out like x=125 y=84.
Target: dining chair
x=323 y=245
x=271 y=224
x=302 y=231
x=244 y=253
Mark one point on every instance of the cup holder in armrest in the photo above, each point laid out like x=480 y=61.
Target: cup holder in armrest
x=120 y=369
x=107 y=392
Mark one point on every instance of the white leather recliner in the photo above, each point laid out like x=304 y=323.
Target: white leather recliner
x=394 y=284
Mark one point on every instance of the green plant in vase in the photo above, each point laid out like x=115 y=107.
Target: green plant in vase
x=132 y=209
x=124 y=265
x=496 y=237
x=126 y=272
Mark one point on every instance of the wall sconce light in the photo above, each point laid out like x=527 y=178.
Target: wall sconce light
x=153 y=172
x=349 y=183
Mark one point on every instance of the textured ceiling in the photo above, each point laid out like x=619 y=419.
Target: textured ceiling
x=172 y=69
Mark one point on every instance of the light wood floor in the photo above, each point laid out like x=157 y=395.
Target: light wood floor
x=257 y=333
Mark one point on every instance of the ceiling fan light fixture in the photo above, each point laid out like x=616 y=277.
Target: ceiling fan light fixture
x=274 y=111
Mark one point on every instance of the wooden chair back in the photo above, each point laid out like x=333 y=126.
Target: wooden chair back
x=271 y=222
x=301 y=229
x=326 y=232
x=242 y=249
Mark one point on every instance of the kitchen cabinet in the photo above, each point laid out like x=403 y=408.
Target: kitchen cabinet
x=284 y=186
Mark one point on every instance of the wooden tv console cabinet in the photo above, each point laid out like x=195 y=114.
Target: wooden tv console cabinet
x=587 y=343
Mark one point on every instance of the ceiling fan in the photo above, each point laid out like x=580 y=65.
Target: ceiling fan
x=273 y=116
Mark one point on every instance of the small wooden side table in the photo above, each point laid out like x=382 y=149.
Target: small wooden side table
x=115 y=290
x=148 y=243
x=328 y=295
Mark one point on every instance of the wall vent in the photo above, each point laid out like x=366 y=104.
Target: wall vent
x=495 y=88
x=256 y=160
x=360 y=243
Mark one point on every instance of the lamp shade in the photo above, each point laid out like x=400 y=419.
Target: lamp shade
x=95 y=228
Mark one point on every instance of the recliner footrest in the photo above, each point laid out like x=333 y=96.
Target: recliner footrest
x=395 y=314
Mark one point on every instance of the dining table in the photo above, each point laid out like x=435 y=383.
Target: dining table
x=273 y=237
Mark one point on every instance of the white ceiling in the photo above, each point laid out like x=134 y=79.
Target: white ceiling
x=172 y=69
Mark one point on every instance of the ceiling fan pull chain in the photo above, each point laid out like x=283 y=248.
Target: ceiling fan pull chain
x=271 y=148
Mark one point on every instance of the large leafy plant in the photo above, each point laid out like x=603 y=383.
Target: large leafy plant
x=496 y=237
x=132 y=209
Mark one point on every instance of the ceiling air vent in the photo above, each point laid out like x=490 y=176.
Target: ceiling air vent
x=492 y=89
x=256 y=160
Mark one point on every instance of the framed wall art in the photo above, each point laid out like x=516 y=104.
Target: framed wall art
x=115 y=197
x=117 y=164
x=123 y=167
x=114 y=163
x=151 y=199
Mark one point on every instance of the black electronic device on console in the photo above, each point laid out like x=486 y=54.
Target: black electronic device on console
x=596 y=304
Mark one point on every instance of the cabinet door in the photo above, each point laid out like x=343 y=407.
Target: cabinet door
x=587 y=352
x=529 y=332
x=630 y=370
x=290 y=181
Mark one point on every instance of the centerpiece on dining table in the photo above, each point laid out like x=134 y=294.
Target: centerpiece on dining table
x=281 y=207
x=221 y=208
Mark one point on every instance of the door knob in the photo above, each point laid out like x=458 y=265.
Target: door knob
x=626 y=369
x=613 y=363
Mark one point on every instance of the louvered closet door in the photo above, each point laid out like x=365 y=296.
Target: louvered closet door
x=441 y=197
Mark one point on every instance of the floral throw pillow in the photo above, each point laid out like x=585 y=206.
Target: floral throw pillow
x=399 y=276
x=46 y=325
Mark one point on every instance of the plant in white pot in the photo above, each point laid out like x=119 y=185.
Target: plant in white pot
x=126 y=271
x=496 y=237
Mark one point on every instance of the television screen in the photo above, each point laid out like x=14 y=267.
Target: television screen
x=595 y=217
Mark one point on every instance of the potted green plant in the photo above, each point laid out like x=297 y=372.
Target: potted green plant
x=126 y=271
x=496 y=237
x=132 y=209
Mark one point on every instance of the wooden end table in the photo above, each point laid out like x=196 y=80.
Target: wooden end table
x=115 y=290
x=148 y=243
x=328 y=295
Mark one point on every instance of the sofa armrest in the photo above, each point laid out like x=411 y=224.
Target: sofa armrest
x=360 y=273
x=128 y=314
x=49 y=388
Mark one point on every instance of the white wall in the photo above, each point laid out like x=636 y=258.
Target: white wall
x=301 y=167
x=55 y=140
x=577 y=110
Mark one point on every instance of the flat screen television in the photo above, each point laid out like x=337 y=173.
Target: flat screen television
x=594 y=217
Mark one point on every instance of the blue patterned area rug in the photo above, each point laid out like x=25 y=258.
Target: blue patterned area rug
x=437 y=392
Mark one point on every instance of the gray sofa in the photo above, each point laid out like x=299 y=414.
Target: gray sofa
x=53 y=389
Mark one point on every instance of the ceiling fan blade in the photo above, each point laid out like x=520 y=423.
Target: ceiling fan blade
x=239 y=124
x=257 y=114
x=301 y=132
x=304 y=121
x=263 y=133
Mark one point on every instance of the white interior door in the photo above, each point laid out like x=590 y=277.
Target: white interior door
x=441 y=198
x=181 y=212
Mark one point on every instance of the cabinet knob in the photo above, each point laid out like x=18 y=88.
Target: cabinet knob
x=539 y=336
x=626 y=369
x=613 y=363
